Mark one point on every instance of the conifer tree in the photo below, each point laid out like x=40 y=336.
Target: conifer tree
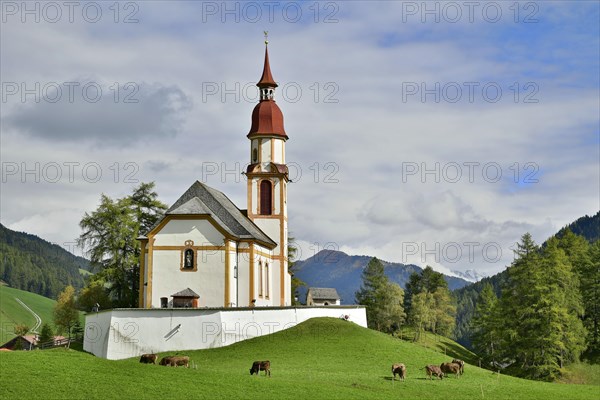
x=47 y=334
x=484 y=325
x=109 y=238
x=382 y=299
x=540 y=304
x=590 y=292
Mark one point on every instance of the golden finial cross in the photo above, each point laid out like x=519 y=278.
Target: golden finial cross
x=266 y=37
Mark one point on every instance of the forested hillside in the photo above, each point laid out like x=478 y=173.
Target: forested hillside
x=35 y=265
x=587 y=227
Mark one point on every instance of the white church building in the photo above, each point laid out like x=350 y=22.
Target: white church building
x=212 y=274
x=213 y=252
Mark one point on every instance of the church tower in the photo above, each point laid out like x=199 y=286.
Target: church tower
x=267 y=177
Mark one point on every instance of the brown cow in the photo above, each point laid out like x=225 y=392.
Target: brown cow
x=434 y=370
x=461 y=363
x=174 y=361
x=400 y=370
x=179 y=360
x=258 y=366
x=450 y=368
x=165 y=361
x=148 y=358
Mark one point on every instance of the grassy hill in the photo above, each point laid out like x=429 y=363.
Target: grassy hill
x=13 y=313
x=321 y=358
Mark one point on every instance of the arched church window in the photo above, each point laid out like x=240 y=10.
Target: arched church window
x=266 y=197
x=260 y=279
x=255 y=155
x=267 y=280
x=188 y=257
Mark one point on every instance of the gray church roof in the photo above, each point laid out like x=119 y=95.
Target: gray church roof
x=201 y=199
x=186 y=293
x=324 y=293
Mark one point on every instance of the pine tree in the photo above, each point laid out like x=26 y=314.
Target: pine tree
x=484 y=325
x=428 y=280
x=520 y=295
x=540 y=304
x=590 y=292
x=46 y=335
x=382 y=300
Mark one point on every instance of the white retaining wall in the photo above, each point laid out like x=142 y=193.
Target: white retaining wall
x=124 y=333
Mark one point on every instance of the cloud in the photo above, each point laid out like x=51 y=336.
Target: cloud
x=105 y=114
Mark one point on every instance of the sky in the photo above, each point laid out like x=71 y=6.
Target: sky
x=433 y=133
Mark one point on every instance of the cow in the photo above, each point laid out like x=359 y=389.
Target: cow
x=165 y=360
x=433 y=370
x=148 y=358
x=461 y=363
x=400 y=370
x=174 y=361
x=450 y=368
x=258 y=366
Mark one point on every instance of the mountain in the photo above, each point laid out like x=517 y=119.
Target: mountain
x=33 y=264
x=470 y=275
x=335 y=269
x=586 y=226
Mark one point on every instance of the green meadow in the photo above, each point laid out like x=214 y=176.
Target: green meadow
x=322 y=358
x=12 y=313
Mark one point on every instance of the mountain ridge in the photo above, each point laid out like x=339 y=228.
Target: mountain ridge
x=344 y=273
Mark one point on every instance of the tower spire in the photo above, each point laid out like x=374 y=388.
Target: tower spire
x=266 y=80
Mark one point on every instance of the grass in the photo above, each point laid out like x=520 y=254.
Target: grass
x=581 y=373
x=12 y=313
x=322 y=358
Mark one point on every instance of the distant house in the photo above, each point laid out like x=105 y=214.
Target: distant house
x=26 y=342
x=322 y=297
x=30 y=342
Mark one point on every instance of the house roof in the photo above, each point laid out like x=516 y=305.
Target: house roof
x=324 y=293
x=186 y=293
x=201 y=199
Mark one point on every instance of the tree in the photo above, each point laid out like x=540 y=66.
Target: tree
x=94 y=293
x=21 y=329
x=440 y=316
x=540 y=305
x=65 y=312
x=444 y=312
x=296 y=282
x=47 y=334
x=110 y=239
x=392 y=299
x=382 y=300
x=484 y=325
x=421 y=312
x=78 y=331
x=590 y=292
x=428 y=280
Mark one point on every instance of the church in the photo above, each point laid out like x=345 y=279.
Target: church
x=206 y=252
